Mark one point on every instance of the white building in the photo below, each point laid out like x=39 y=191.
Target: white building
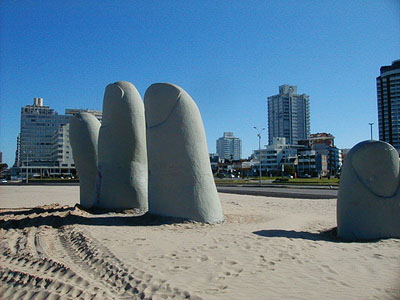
x=229 y=147
x=288 y=115
x=62 y=152
x=275 y=155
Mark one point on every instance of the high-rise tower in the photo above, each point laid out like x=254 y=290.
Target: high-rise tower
x=388 y=92
x=43 y=143
x=38 y=124
x=288 y=115
x=229 y=146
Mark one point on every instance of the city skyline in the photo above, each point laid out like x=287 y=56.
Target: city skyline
x=229 y=57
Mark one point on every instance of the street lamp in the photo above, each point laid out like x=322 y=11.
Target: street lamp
x=370 y=124
x=259 y=148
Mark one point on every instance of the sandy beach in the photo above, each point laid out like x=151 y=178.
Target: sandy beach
x=267 y=248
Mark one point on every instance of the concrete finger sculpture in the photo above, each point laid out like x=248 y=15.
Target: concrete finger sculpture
x=368 y=205
x=180 y=179
x=122 y=167
x=83 y=135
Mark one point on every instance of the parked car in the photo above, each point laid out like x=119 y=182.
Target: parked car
x=3 y=181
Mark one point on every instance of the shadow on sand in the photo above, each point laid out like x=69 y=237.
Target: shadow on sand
x=329 y=235
x=57 y=217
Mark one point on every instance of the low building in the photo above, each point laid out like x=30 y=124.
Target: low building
x=324 y=144
x=214 y=162
x=274 y=156
x=310 y=163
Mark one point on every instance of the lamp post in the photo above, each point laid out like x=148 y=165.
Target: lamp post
x=370 y=124
x=259 y=148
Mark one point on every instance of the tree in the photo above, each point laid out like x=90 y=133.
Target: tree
x=3 y=167
x=289 y=169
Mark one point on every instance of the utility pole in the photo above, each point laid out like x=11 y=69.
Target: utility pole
x=259 y=149
x=370 y=124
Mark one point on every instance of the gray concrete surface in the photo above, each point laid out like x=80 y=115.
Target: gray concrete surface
x=368 y=205
x=282 y=192
x=123 y=172
x=180 y=180
x=84 y=135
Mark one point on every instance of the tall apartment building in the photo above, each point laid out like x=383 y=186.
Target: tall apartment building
x=229 y=146
x=38 y=124
x=43 y=145
x=17 y=153
x=288 y=115
x=388 y=94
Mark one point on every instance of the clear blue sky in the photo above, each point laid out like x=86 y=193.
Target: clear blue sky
x=228 y=55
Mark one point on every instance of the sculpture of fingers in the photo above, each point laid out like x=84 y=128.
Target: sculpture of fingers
x=368 y=204
x=84 y=134
x=180 y=178
x=122 y=167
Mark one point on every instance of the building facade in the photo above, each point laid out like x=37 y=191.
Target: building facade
x=324 y=144
x=38 y=124
x=62 y=151
x=288 y=115
x=312 y=157
x=274 y=156
x=43 y=147
x=311 y=163
x=229 y=147
x=388 y=95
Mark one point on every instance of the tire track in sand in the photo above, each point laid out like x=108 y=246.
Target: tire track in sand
x=63 y=262
x=26 y=272
x=96 y=260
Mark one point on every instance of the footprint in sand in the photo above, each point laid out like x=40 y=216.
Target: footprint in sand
x=202 y=258
x=229 y=268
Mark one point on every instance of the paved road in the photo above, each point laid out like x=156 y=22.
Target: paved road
x=309 y=192
x=282 y=192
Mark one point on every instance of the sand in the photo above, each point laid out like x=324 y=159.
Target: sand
x=268 y=248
